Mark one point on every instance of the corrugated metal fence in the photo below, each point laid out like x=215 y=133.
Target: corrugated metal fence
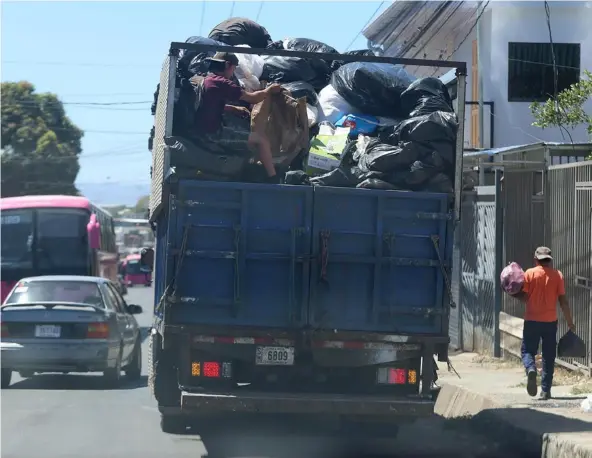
x=569 y=235
x=541 y=206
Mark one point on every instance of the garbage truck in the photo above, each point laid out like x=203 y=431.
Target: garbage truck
x=276 y=298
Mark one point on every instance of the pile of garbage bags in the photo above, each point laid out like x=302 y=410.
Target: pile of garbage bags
x=371 y=125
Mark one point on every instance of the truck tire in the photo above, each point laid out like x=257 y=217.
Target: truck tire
x=166 y=383
x=172 y=424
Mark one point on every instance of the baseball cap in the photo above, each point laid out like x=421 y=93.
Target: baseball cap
x=226 y=57
x=543 y=252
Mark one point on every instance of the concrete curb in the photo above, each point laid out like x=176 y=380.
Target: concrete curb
x=534 y=433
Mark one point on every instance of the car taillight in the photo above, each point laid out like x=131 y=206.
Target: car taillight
x=97 y=331
x=4 y=330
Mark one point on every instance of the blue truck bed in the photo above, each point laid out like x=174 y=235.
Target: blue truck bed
x=295 y=256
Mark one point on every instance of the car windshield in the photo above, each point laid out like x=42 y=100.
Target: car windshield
x=56 y=291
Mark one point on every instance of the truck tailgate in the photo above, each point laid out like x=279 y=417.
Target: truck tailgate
x=381 y=257
x=246 y=256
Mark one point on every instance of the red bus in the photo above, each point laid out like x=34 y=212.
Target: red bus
x=55 y=235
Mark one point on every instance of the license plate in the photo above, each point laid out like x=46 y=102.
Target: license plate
x=48 y=330
x=275 y=356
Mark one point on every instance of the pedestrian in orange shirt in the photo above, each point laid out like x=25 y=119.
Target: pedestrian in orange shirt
x=543 y=287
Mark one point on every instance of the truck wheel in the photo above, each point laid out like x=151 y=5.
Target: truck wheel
x=134 y=370
x=172 y=424
x=5 y=377
x=166 y=384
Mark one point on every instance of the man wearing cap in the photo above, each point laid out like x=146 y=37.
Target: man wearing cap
x=543 y=288
x=219 y=93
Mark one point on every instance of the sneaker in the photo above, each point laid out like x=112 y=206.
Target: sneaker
x=531 y=384
x=545 y=396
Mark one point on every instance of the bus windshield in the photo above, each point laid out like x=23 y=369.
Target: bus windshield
x=44 y=239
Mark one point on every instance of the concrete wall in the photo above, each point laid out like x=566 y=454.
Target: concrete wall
x=506 y=22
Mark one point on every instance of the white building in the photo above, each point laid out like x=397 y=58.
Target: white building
x=513 y=41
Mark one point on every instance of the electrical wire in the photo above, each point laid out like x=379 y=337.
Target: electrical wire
x=259 y=11
x=203 y=15
x=232 y=10
x=364 y=26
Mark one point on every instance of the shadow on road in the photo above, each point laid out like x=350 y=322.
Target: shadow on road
x=286 y=436
x=90 y=382
x=144 y=332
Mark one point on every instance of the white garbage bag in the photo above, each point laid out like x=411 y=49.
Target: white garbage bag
x=313 y=114
x=249 y=70
x=587 y=404
x=333 y=106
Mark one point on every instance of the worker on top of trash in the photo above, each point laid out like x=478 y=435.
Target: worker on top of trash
x=219 y=94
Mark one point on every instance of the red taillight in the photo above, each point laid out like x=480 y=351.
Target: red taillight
x=391 y=376
x=4 y=330
x=97 y=331
x=211 y=369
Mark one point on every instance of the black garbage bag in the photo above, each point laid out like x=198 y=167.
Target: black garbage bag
x=276 y=45
x=374 y=89
x=437 y=129
x=185 y=109
x=571 y=346
x=382 y=157
x=308 y=45
x=297 y=177
x=342 y=177
x=439 y=183
x=301 y=89
x=281 y=69
x=359 y=52
x=241 y=31
x=425 y=96
x=187 y=156
x=376 y=183
x=188 y=57
x=155 y=102
x=414 y=178
x=151 y=139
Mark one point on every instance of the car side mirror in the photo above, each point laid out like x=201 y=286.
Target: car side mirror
x=147 y=258
x=134 y=309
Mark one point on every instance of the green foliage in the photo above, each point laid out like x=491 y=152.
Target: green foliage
x=40 y=145
x=567 y=110
x=142 y=205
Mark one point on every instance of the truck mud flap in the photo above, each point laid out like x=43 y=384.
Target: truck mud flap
x=307 y=403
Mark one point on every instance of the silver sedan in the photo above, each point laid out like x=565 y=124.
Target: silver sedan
x=69 y=324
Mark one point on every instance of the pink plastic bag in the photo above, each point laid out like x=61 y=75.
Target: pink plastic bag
x=512 y=278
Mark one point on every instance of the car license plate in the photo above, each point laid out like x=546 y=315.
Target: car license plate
x=48 y=330
x=275 y=356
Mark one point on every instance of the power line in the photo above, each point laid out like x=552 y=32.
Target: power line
x=201 y=20
x=259 y=11
x=232 y=9
x=58 y=102
x=80 y=64
x=364 y=26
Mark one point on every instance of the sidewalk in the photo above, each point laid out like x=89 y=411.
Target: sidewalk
x=493 y=392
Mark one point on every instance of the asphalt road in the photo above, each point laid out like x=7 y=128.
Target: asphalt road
x=74 y=416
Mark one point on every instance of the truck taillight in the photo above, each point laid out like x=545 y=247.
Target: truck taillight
x=211 y=369
x=391 y=376
x=4 y=330
x=97 y=331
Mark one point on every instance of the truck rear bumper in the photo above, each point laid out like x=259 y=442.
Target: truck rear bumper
x=306 y=403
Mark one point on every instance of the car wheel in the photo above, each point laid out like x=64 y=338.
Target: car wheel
x=112 y=375
x=26 y=374
x=5 y=377
x=134 y=370
x=172 y=424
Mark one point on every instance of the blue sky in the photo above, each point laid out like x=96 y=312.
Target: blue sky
x=113 y=51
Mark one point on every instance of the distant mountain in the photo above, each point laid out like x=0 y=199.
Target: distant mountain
x=114 y=193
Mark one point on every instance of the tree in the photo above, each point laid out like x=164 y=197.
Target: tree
x=40 y=145
x=142 y=204
x=568 y=109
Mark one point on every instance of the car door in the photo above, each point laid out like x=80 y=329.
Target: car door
x=131 y=326
x=122 y=321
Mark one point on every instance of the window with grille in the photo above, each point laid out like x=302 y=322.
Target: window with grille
x=530 y=70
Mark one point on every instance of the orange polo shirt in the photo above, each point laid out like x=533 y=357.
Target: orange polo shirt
x=543 y=286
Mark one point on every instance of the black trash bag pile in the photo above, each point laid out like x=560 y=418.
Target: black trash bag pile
x=416 y=155
x=425 y=96
x=241 y=31
x=193 y=62
x=359 y=52
x=279 y=69
x=374 y=89
x=300 y=89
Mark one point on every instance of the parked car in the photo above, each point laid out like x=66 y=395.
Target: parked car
x=69 y=324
